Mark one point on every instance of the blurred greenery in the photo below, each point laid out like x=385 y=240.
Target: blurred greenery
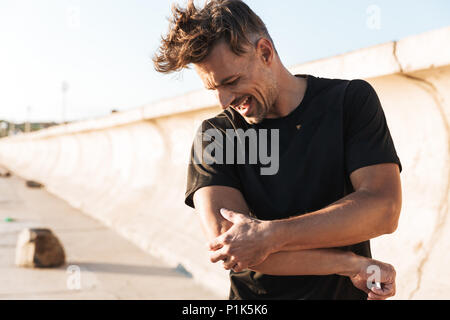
x=10 y=128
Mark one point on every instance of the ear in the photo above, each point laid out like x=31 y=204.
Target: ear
x=265 y=50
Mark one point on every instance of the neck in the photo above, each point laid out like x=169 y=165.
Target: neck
x=291 y=90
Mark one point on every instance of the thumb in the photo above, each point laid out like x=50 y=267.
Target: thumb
x=229 y=215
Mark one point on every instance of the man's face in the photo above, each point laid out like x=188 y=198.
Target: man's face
x=244 y=83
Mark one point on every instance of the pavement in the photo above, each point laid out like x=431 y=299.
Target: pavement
x=101 y=265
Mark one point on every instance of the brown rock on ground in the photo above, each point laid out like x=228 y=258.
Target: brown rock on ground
x=39 y=248
x=34 y=184
x=4 y=173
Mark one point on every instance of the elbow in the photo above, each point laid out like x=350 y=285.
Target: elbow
x=392 y=216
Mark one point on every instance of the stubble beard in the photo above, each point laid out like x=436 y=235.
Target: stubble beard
x=263 y=108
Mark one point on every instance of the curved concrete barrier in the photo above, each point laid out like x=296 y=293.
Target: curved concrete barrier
x=129 y=169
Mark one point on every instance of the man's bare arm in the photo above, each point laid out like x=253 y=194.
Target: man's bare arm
x=208 y=202
x=332 y=261
x=372 y=210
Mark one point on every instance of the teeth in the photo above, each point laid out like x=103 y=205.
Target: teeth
x=244 y=102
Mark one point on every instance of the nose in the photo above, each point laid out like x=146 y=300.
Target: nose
x=225 y=98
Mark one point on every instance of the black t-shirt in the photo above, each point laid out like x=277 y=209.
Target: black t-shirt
x=339 y=127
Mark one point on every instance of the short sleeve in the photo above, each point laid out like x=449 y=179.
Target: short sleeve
x=206 y=167
x=366 y=133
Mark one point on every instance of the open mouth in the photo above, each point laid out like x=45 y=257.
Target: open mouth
x=244 y=107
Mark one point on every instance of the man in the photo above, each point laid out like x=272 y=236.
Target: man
x=302 y=232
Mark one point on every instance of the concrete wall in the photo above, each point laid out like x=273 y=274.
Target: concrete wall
x=128 y=170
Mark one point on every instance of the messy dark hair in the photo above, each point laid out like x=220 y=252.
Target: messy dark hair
x=193 y=32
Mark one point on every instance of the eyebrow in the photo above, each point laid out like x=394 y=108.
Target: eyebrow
x=223 y=82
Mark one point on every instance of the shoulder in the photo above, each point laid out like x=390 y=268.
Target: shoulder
x=351 y=88
x=324 y=84
x=358 y=92
x=359 y=84
x=326 y=89
x=358 y=98
x=227 y=119
x=361 y=104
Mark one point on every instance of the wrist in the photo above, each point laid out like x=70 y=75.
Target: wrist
x=274 y=232
x=353 y=264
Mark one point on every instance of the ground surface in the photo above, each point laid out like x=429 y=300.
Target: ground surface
x=109 y=266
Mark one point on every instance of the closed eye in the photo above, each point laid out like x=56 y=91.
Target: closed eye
x=234 y=82
x=231 y=83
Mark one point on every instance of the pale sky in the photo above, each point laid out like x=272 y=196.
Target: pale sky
x=103 y=48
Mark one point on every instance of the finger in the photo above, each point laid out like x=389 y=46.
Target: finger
x=385 y=290
x=217 y=243
x=218 y=256
x=389 y=275
x=238 y=267
x=229 y=264
x=243 y=266
x=373 y=296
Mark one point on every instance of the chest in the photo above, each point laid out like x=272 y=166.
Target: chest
x=310 y=168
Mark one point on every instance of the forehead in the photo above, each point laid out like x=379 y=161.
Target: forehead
x=220 y=64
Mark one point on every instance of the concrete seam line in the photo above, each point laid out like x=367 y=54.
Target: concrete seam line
x=430 y=88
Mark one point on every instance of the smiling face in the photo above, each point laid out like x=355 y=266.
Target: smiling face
x=246 y=83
